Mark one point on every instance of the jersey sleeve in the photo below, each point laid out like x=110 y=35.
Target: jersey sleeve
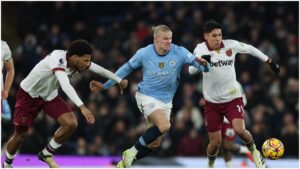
x=6 y=51
x=241 y=47
x=68 y=88
x=104 y=72
x=57 y=61
x=189 y=58
x=136 y=61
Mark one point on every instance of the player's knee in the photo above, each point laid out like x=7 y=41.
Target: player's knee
x=70 y=125
x=164 y=127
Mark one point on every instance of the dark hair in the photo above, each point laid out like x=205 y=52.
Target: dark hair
x=211 y=25
x=79 y=47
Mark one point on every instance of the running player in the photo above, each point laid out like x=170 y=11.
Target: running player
x=221 y=93
x=39 y=91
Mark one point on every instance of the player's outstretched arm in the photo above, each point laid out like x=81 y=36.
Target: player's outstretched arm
x=121 y=72
x=200 y=64
x=249 y=49
x=96 y=86
x=104 y=72
x=203 y=60
x=71 y=93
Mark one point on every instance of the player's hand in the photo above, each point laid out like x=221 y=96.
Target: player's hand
x=4 y=94
x=122 y=85
x=275 y=68
x=201 y=61
x=206 y=57
x=89 y=117
x=96 y=86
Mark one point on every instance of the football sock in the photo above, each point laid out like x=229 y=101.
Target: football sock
x=143 y=152
x=51 y=147
x=150 y=135
x=251 y=146
x=229 y=164
x=211 y=158
x=9 y=158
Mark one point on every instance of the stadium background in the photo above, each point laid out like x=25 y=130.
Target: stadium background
x=118 y=29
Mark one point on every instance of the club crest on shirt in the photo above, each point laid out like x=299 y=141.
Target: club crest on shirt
x=172 y=62
x=161 y=64
x=229 y=52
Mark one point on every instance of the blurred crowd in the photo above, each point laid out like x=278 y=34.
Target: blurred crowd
x=118 y=29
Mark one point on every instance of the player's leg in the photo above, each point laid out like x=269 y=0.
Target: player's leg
x=26 y=109
x=240 y=130
x=160 y=126
x=59 y=110
x=13 y=145
x=235 y=115
x=145 y=151
x=227 y=156
x=228 y=136
x=213 y=147
x=213 y=123
x=157 y=115
x=236 y=148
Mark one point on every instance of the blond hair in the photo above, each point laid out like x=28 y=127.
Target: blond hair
x=160 y=28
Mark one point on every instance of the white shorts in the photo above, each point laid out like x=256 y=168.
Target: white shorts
x=148 y=104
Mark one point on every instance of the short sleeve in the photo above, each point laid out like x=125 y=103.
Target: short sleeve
x=57 y=60
x=6 y=52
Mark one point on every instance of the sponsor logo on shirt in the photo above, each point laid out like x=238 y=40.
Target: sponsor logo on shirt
x=222 y=63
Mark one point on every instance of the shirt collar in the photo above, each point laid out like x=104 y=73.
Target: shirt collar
x=211 y=49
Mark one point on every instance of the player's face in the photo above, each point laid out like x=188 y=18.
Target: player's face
x=163 y=40
x=83 y=62
x=214 y=38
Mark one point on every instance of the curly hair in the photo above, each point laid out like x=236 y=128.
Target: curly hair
x=79 y=47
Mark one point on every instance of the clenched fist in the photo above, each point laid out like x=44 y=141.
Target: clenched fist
x=96 y=86
x=122 y=85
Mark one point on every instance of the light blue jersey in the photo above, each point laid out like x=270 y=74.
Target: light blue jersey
x=161 y=74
